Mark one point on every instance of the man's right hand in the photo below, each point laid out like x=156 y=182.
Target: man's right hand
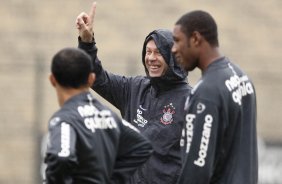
x=84 y=24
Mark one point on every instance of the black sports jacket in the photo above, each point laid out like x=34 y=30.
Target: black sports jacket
x=89 y=144
x=220 y=138
x=153 y=105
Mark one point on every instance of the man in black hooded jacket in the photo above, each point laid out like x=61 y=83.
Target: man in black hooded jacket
x=153 y=103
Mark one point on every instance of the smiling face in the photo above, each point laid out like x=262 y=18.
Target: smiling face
x=154 y=61
x=184 y=49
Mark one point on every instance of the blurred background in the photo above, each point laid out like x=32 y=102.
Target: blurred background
x=31 y=31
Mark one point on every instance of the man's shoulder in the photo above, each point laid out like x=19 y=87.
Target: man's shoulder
x=67 y=114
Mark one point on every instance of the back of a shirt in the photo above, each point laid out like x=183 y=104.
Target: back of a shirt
x=88 y=143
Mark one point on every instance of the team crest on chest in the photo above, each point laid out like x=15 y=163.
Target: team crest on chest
x=168 y=112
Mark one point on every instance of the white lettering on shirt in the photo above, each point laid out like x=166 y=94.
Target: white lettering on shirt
x=239 y=87
x=204 y=141
x=95 y=119
x=189 y=130
x=140 y=120
x=65 y=140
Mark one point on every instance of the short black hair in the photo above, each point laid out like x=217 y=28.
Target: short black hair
x=71 y=67
x=201 y=22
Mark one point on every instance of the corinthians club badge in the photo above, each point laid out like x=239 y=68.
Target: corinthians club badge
x=167 y=117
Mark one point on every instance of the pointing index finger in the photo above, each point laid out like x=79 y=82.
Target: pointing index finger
x=92 y=12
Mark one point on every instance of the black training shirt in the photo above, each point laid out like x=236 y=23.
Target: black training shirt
x=219 y=136
x=88 y=143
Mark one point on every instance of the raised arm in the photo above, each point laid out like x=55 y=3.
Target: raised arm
x=114 y=88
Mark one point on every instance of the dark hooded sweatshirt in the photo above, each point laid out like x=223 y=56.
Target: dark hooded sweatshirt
x=153 y=105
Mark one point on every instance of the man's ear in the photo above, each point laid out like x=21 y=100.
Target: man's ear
x=196 y=38
x=91 y=79
x=52 y=80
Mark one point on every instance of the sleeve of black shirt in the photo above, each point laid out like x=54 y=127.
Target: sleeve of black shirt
x=202 y=123
x=134 y=150
x=114 y=88
x=60 y=156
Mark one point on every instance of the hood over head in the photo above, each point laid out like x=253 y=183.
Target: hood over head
x=164 y=41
